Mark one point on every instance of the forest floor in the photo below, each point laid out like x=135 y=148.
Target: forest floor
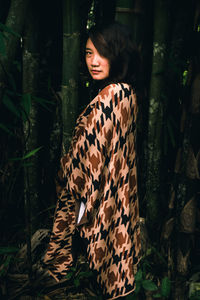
x=17 y=284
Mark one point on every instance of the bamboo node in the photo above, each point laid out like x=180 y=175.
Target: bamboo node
x=71 y=35
x=125 y=10
x=72 y=85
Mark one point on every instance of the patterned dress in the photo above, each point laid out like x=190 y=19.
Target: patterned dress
x=100 y=171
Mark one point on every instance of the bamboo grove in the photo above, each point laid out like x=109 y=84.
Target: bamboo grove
x=43 y=89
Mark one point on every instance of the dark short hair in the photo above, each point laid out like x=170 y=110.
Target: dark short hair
x=114 y=42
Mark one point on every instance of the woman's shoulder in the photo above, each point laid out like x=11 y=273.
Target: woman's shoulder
x=112 y=96
x=115 y=88
x=119 y=94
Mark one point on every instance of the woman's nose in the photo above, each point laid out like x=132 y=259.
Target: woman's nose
x=95 y=60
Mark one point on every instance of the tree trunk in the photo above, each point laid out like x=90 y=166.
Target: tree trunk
x=30 y=87
x=15 y=21
x=186 y=192
x=71 y=57
x=179 y=243
x=187 y=167
x=4 y=4
x=131 y=13
x=157 y=97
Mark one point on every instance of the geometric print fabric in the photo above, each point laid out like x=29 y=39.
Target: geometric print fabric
x=100 y=170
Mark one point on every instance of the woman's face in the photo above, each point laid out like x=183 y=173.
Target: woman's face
x=98 y=66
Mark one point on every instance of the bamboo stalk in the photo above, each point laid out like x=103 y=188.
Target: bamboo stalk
x=70 y=76
x=155 y=117
x=30 y=87
x=15 y=21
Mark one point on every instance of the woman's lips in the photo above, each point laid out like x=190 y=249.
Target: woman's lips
x=95 y=72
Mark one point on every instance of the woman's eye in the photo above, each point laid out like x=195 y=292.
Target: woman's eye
x=88 y=53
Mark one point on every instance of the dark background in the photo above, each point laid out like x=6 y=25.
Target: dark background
x=43 y=89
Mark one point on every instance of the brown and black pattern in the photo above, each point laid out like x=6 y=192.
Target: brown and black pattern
x=100 y=170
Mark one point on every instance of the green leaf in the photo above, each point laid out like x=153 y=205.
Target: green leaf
x=73 y=269
x=138 y=275
x=6 y=250
x=149 y=251
x=15 y=158
x=69 y=275
x=149 y=285
x=31 y=153
x=85 y=274
x=158 y=295
x=138 y=287
x=5 y=265
x=5 y=28
x=185 y=76
x=76 y=282
x=165 y=287
x=10 y=105
x=2 y=45
x=6 y=129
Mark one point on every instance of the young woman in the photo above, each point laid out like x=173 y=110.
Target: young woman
x=99 y=196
